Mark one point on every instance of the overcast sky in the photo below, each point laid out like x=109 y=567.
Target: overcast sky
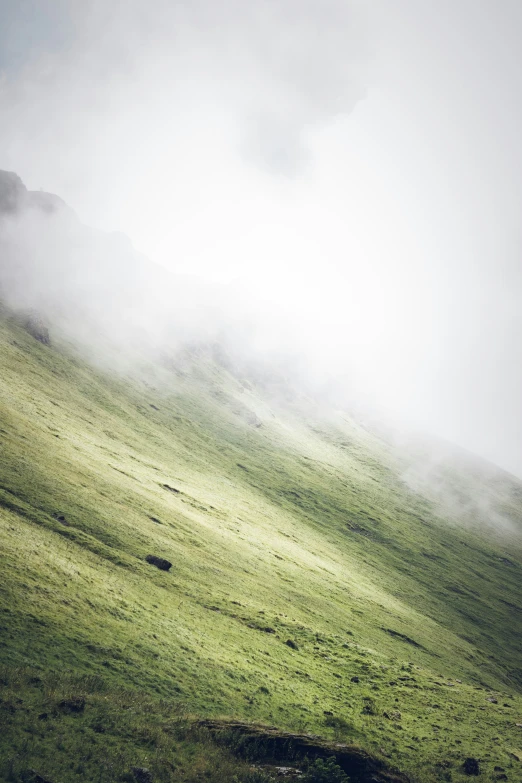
x=354 y=165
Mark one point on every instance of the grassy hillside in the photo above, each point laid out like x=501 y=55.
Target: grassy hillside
x=310 y=589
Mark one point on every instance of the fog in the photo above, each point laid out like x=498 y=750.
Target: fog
x=347 y=175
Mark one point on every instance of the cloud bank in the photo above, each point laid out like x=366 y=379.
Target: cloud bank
x=349 y=171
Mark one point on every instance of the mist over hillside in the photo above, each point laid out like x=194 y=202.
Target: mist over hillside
x=349 y=170
x=97 y=289
x=122 y=311
x=92 y=284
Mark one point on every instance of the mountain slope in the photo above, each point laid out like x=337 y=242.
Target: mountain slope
x=282 y=526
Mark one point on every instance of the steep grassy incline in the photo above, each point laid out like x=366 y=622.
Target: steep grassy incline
x=310 y=589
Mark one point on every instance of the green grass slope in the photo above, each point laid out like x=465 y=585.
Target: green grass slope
x=405 y=631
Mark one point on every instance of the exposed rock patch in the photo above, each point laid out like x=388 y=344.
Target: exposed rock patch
x=159 y=562
x=267 y=744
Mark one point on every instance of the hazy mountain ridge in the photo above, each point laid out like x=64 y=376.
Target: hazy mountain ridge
x=14 y=196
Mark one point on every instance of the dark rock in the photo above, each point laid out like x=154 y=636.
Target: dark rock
x=43 y=716
x=60 y=518
x=75 y=704
x=327 y=712
x=471 y=766
x=156 y=520
x=159 y=562
x=499 y=769
x=142 y=775
x=268 y=629
x=292 y=644
x=492 y=700
x=354 y=679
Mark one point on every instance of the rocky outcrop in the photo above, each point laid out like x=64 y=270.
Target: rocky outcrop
x=265 y=743
x=12 y=191
x=159 y=562
x=14 y=196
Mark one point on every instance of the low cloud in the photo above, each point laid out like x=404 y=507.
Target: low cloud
x=345 y=175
